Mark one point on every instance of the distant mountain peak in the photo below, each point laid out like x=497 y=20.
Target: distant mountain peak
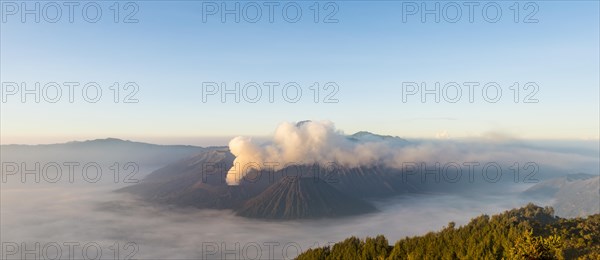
x=368 y=136
x=112 y=139
x=303 y=122
x=100 y=140
x=579 y=176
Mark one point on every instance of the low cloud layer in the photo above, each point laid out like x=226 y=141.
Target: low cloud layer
x=94 y=215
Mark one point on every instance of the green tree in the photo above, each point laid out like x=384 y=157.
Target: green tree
x=529 y=247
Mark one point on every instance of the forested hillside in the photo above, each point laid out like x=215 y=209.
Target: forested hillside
x=530 y=232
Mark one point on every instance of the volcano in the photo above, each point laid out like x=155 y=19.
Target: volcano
x=302 y=198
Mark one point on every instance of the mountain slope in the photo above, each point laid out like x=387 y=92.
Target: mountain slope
x=197 y=181
x=578 y=198
x=296 y=198
x=574 y=195
x=552 y=186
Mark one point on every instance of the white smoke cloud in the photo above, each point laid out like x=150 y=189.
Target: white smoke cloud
x=319 y=142
x=308 y=142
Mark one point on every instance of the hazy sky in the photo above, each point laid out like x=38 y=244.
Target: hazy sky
x=368 y=53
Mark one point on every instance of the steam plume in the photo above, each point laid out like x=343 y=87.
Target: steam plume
x=319 y=142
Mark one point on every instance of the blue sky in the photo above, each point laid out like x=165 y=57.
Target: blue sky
x=368 y=53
